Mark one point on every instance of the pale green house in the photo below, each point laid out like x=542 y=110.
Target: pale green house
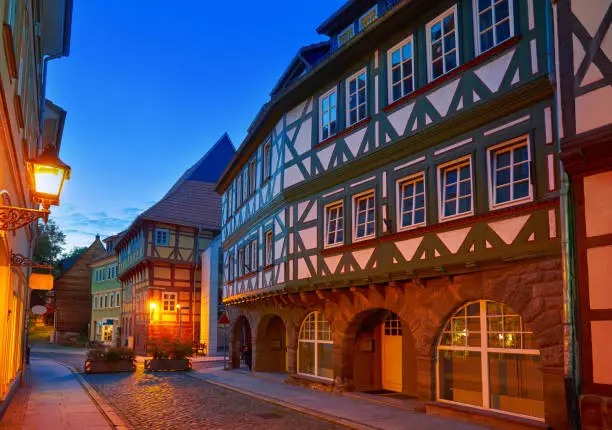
x=105 y=296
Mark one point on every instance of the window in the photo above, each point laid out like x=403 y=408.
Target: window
x=105 y=301
x=266 y=161
x=489 y=359
x=96 y=302
x=442 y=51
x=230 y=268
x=117 y=300
x=356 y=98
x=169 y=302
x=346 y=35
x=112 y=301
x=365 y=216
x=161 y=236
x=334 y=224
x=252 y=171
x=393 y=325
x=509 y=172
x=315 y=347
x=401 y=70
x=245 y=185
x=268 y=258
x=240 y=262
x=238 y=191
x=456 y=189
x=368 y=18
x=411 y=201
x=247 y=259
x=494 y=23
x=254 y=252
x=328 y=114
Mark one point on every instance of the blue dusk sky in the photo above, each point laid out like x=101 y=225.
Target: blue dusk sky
x=149 y=88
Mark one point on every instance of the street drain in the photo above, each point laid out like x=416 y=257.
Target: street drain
x=268 y=416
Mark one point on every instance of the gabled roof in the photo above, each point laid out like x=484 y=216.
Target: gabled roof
x=67 y=264
x=192 y=200
x=306 y=58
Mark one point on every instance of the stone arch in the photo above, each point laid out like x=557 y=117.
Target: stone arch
x=361 y=350
x=271 y=341
x=241 y=336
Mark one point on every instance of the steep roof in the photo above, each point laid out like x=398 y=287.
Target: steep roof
x=192 y=200
x=93 y=251
x=306 y=58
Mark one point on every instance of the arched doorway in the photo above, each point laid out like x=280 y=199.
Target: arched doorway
x=380 y=354
x=487 y=358
x=241 y=337
x=271 y=345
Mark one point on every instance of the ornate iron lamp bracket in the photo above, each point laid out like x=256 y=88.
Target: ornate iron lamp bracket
x=13 y=218
x=22 y=260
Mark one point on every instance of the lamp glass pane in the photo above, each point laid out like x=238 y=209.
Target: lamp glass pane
x=48 y=180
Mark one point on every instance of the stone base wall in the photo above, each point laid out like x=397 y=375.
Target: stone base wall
x=595 y=412
x=532 y=288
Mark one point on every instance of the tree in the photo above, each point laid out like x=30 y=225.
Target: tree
x=77 y=250
x=50 y=243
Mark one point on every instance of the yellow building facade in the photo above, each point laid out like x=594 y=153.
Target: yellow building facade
x=33 y=32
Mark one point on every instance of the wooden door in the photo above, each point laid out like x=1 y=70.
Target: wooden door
x=392 y=354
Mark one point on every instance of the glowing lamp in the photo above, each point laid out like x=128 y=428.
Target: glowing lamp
x=48 y=173
x=152 y=306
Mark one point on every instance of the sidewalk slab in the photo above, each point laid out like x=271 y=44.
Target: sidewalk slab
x=345 y=410
x=56 y=400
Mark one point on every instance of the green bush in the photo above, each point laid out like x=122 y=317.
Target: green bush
x=165 y=349
x=111 y=354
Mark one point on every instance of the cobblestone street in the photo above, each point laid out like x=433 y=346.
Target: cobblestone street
x=176 y=400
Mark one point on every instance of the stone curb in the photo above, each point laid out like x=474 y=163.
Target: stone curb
x=312 y=412
x=115 y=421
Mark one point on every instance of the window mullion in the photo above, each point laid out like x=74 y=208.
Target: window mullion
x=484 y=355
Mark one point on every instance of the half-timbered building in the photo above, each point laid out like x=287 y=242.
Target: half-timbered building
x=158 y=255
x=584 y=42
x=391 y=221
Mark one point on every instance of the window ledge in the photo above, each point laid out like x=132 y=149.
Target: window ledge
x=247 y=276
x=343 y=133
x=268 y=267
x=472 y=414
x=349 y=247
x=455 y=72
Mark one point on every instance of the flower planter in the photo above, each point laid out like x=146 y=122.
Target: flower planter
x=167 y=365
x=99 y=366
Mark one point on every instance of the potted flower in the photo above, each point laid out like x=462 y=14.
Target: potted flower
x=169 y=356
x=110 y=360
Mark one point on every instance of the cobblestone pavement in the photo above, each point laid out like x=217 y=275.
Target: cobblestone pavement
x=175 y=400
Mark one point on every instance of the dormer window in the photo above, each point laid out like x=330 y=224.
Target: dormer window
x=368 y=18
x=346 y=35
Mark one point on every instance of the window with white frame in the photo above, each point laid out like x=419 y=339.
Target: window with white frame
x=442 y=41
x=400 y=67
x=240 y=262
x=247 y=259
x=238 y=191
x=494 y=22
x=266 y=161
x=245 y=184
x=356 y=98
x=487 y=358
x=105 y=301
x=117 y=300
x=315 y=347
x=364 y=213
x=334 y=224
x=254 y=253
x=112 y=301
x=411 y=201
x=96 y=302
x=346 y=35
x=230 y=268
x=268 y=258
x=509 y=172
x=368 y=18
x=252 y=172
x=169 y=302
x=455 y=181
x=328 y=114
x=161 y=236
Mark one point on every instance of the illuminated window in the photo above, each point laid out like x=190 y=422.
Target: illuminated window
x=487 y=358
x=368 y=18
x=268 y=259
x=455 y=180
x=169 y=302
x=315 y=347
x=401 y=70
x=411 y=201
x=346 y=35
x=364 y=211
x=161 y=236
x=334 y=224
x=442 y=51
x=328 y=114
x=509 y=173
x=356 y=98
x=494 y=22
